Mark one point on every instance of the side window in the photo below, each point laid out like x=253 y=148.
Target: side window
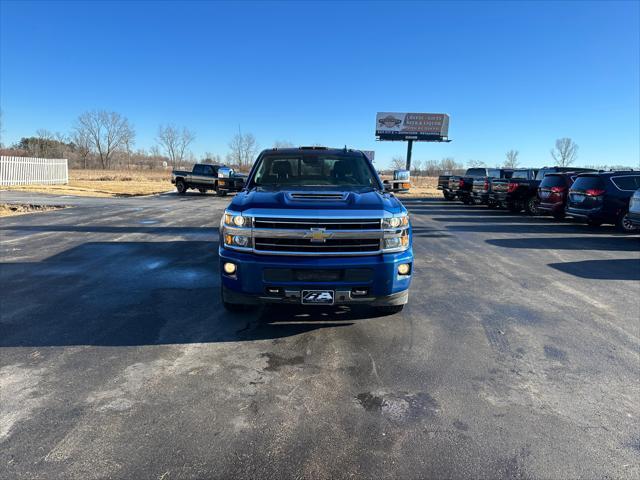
x=627 y=182
x=208 y=170
x=198 y=169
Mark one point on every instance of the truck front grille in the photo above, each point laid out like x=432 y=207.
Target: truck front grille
x=351 y=245
x=306 y=224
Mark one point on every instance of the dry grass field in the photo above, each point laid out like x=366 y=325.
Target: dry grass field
x=420 y=187
x=124 y=183
x=107 y=183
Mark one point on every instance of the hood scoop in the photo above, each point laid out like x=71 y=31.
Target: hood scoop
x=314 y=196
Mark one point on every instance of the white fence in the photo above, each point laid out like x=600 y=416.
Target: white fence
x=28 y=170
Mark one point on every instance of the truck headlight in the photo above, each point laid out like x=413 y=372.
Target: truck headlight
x=233 y=220
x=395 y=222
x=396 y=243
x=236 y=240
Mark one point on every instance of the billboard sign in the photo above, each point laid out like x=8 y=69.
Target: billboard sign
x=412 y=126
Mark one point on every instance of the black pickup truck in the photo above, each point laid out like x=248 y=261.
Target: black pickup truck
x=205 y=177
x=462 y=186
x=443 y=184
x=482 y=186
x=521 y=190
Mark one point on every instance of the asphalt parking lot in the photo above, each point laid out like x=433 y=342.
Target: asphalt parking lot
x=518 y=355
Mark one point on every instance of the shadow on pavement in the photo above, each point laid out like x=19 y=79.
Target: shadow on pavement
x=159 y=230
x=138 y=293
x=619 y=269
x=614 y=244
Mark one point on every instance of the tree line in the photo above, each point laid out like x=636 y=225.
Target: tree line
x=106 y=140
x=563 y=154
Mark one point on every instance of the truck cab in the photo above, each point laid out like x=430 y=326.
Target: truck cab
x=315 y=226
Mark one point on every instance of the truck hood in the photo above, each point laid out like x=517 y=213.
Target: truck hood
x=358 y=202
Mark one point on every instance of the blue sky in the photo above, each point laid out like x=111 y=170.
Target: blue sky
x=511 y=75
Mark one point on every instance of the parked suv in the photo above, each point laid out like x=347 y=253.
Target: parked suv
x=603 y=197
x=553 y=192
x=634 y=209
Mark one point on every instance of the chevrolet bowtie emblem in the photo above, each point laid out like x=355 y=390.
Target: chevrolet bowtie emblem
x=318 y=235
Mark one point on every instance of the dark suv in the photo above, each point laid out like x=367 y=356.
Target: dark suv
x=603 y=197
x=552 y=193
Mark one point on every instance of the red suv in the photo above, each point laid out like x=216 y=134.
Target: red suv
x=553 y=192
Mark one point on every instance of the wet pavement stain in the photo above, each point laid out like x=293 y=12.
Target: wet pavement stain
x=460 y=425
x=369 y=401
x=401 y=406
x=553 y=353
x=275 y=362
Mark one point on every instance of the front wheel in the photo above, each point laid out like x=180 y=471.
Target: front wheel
x=532 y=206
x=624 y=225
x=202 y=190
x=448 y=196
x=181 y=187
x=390 y=309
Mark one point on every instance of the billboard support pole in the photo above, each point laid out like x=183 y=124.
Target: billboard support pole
x=409 y=147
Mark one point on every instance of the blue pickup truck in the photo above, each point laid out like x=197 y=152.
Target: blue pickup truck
x=315 y=226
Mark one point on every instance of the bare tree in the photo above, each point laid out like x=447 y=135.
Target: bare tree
x=108 y=133
x=212 y=158
x=243 y=150
x=448 y=164
x=283 y=144
x=416 y=167
x=565 y=153
x=512 y=159
x=175 y=142
x=476 y=163
x=398 y=163
x=82 y=144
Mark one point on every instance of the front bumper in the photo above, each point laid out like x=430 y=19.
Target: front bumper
x=257 y=276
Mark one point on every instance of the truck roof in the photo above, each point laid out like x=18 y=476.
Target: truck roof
x=308 y=150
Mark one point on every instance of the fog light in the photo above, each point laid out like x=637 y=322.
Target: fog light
x=229 y=268
x=404 y=269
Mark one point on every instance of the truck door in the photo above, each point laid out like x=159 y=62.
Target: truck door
x=209 y=176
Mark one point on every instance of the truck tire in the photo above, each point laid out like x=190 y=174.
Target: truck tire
x=448 y=196
x=390 y=309
x=624 y=225
x=202 y=190
x=222 y=193
x=531 y=206
x=181 y=187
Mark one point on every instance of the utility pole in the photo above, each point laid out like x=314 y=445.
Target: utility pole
x=409 y=147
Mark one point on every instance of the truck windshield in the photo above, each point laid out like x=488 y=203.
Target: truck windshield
x=314 y=171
